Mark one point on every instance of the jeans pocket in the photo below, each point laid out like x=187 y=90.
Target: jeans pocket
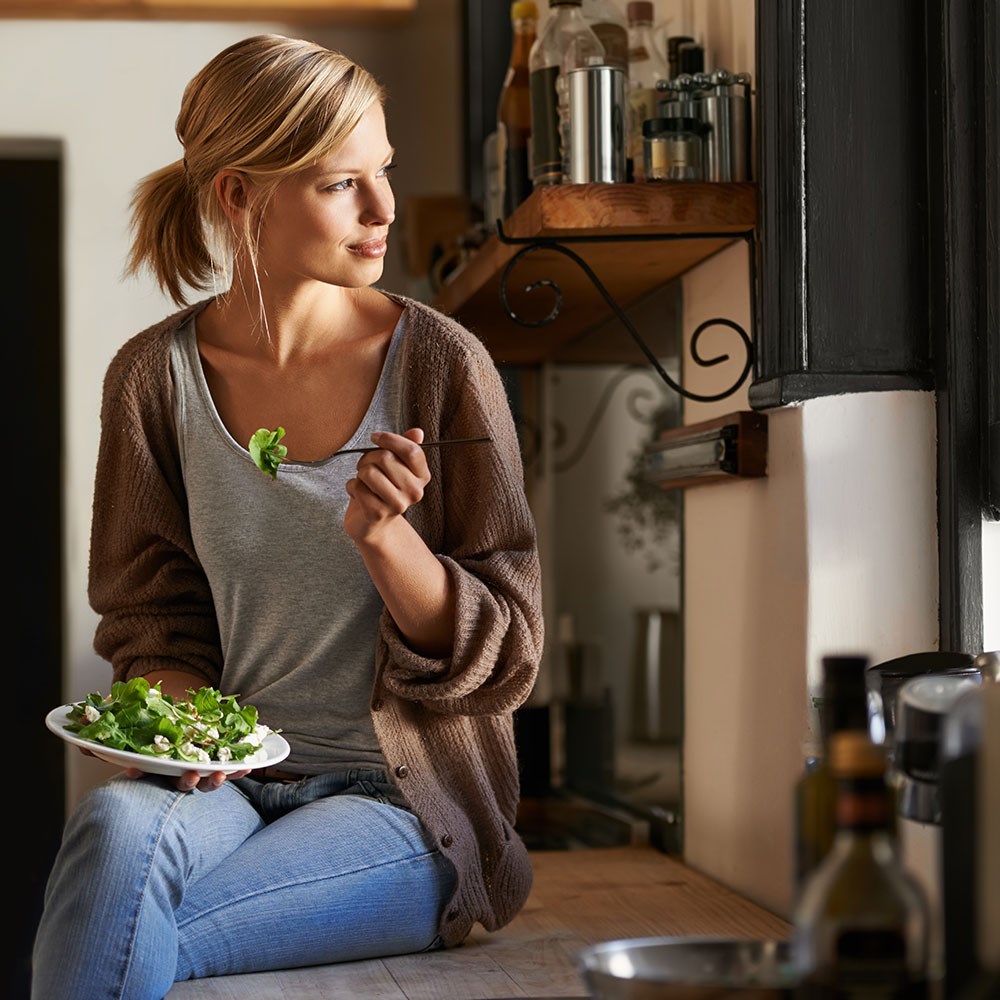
x=381 y=790
x=373 y=789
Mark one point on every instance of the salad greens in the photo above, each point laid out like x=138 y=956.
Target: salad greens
x=265 y=451
x=137 y=717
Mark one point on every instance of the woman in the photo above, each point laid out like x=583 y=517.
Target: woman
x=384 y=616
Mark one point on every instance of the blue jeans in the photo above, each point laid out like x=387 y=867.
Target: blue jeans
x=152 y=885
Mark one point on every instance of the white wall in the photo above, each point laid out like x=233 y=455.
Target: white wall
x=110 y=92
x=835 y=550
x=991 y=585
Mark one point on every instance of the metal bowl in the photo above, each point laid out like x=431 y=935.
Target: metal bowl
x=689 y=968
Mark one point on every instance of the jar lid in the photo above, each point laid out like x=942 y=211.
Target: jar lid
x=639 y=11
x=522 y=10
x=658 y=126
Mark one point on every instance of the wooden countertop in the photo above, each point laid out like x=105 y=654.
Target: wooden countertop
x=579 y=898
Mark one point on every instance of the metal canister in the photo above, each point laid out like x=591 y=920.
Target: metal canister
x=675 y=97
x=722 y=102
x=595 y=132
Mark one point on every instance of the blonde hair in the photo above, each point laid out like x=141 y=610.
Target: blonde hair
x=267 y=106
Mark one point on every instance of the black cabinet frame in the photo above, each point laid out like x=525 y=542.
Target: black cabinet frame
x=877 y=166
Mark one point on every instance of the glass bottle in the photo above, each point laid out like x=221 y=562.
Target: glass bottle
x=843 y=705
x=646 y=66
x=514 y=110
x=861 y=925
x=611 y=28
x=565 y=40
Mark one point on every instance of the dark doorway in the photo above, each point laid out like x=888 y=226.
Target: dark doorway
x=31 y=275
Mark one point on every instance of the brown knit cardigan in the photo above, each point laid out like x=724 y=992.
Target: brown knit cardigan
x=444 y=725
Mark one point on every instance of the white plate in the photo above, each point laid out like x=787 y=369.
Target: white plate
x=275 y=749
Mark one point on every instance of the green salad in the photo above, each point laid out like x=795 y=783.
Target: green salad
x=135 y=716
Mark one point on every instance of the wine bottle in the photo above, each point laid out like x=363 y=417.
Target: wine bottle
x=861 y=926
x=843 y=705
x=514 y=110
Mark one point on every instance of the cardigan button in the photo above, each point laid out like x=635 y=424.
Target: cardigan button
x=447 y=840
x=402 y=771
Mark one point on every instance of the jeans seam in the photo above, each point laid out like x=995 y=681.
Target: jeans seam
x=130 y=948
x=314 y=881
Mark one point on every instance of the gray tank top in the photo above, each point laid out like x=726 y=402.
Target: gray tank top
x=298 y=613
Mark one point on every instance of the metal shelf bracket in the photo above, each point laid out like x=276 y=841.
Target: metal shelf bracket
x=533 y=244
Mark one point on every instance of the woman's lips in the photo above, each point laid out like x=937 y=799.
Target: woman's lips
x=372 y=250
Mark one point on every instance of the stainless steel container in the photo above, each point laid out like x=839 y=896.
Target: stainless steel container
x=686 y=968
x=595 y=126
x=723 y=103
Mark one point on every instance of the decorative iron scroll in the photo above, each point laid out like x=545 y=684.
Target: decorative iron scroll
x=532 y=244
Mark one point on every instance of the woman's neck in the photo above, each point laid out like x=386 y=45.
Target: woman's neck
x=288 y=325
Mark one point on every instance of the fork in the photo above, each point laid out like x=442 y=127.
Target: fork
x=424 y=444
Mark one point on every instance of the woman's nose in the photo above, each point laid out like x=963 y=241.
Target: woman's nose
x=380 y=209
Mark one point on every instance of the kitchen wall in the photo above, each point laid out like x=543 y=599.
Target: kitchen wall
x=834 y=549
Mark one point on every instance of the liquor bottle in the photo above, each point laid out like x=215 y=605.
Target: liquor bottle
x=566 y=39
x=843 y=705
x=611 y=28
x=646 y=67
x=861 y=924
x=514 y=110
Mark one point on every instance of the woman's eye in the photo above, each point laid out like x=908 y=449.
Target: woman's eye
x=342 y=185
x=384 y=172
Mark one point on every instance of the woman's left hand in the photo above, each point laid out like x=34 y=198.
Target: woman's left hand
x=389 y=481
x=190 y=780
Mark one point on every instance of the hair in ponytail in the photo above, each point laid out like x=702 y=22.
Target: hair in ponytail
x=267 y=106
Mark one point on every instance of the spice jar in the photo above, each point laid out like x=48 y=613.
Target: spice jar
x=673 y=149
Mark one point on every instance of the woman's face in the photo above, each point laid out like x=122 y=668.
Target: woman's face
x=330 y=222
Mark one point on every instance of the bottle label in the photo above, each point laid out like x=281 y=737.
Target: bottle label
x=642 y=105
x=868 y=964
x=546 y=155
x=517 y=185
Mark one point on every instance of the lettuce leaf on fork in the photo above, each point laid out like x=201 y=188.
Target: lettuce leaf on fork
x=266 y=452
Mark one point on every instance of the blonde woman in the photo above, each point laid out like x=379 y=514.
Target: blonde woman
x=384 y=614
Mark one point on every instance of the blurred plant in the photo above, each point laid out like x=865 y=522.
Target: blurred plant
x=647 y=514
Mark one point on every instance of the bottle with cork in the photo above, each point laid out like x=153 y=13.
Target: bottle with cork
x=646 y=67
x=514 y=110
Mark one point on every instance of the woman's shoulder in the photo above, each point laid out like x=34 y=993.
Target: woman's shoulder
x=149 y=347
x=438 y=338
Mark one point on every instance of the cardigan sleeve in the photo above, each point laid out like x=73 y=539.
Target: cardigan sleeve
x=145 y=581
x=488 y=546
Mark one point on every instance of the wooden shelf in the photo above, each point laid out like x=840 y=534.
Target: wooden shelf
x=629 y=270
x=357 y=12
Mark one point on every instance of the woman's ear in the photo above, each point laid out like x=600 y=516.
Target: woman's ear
x=232 y=188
